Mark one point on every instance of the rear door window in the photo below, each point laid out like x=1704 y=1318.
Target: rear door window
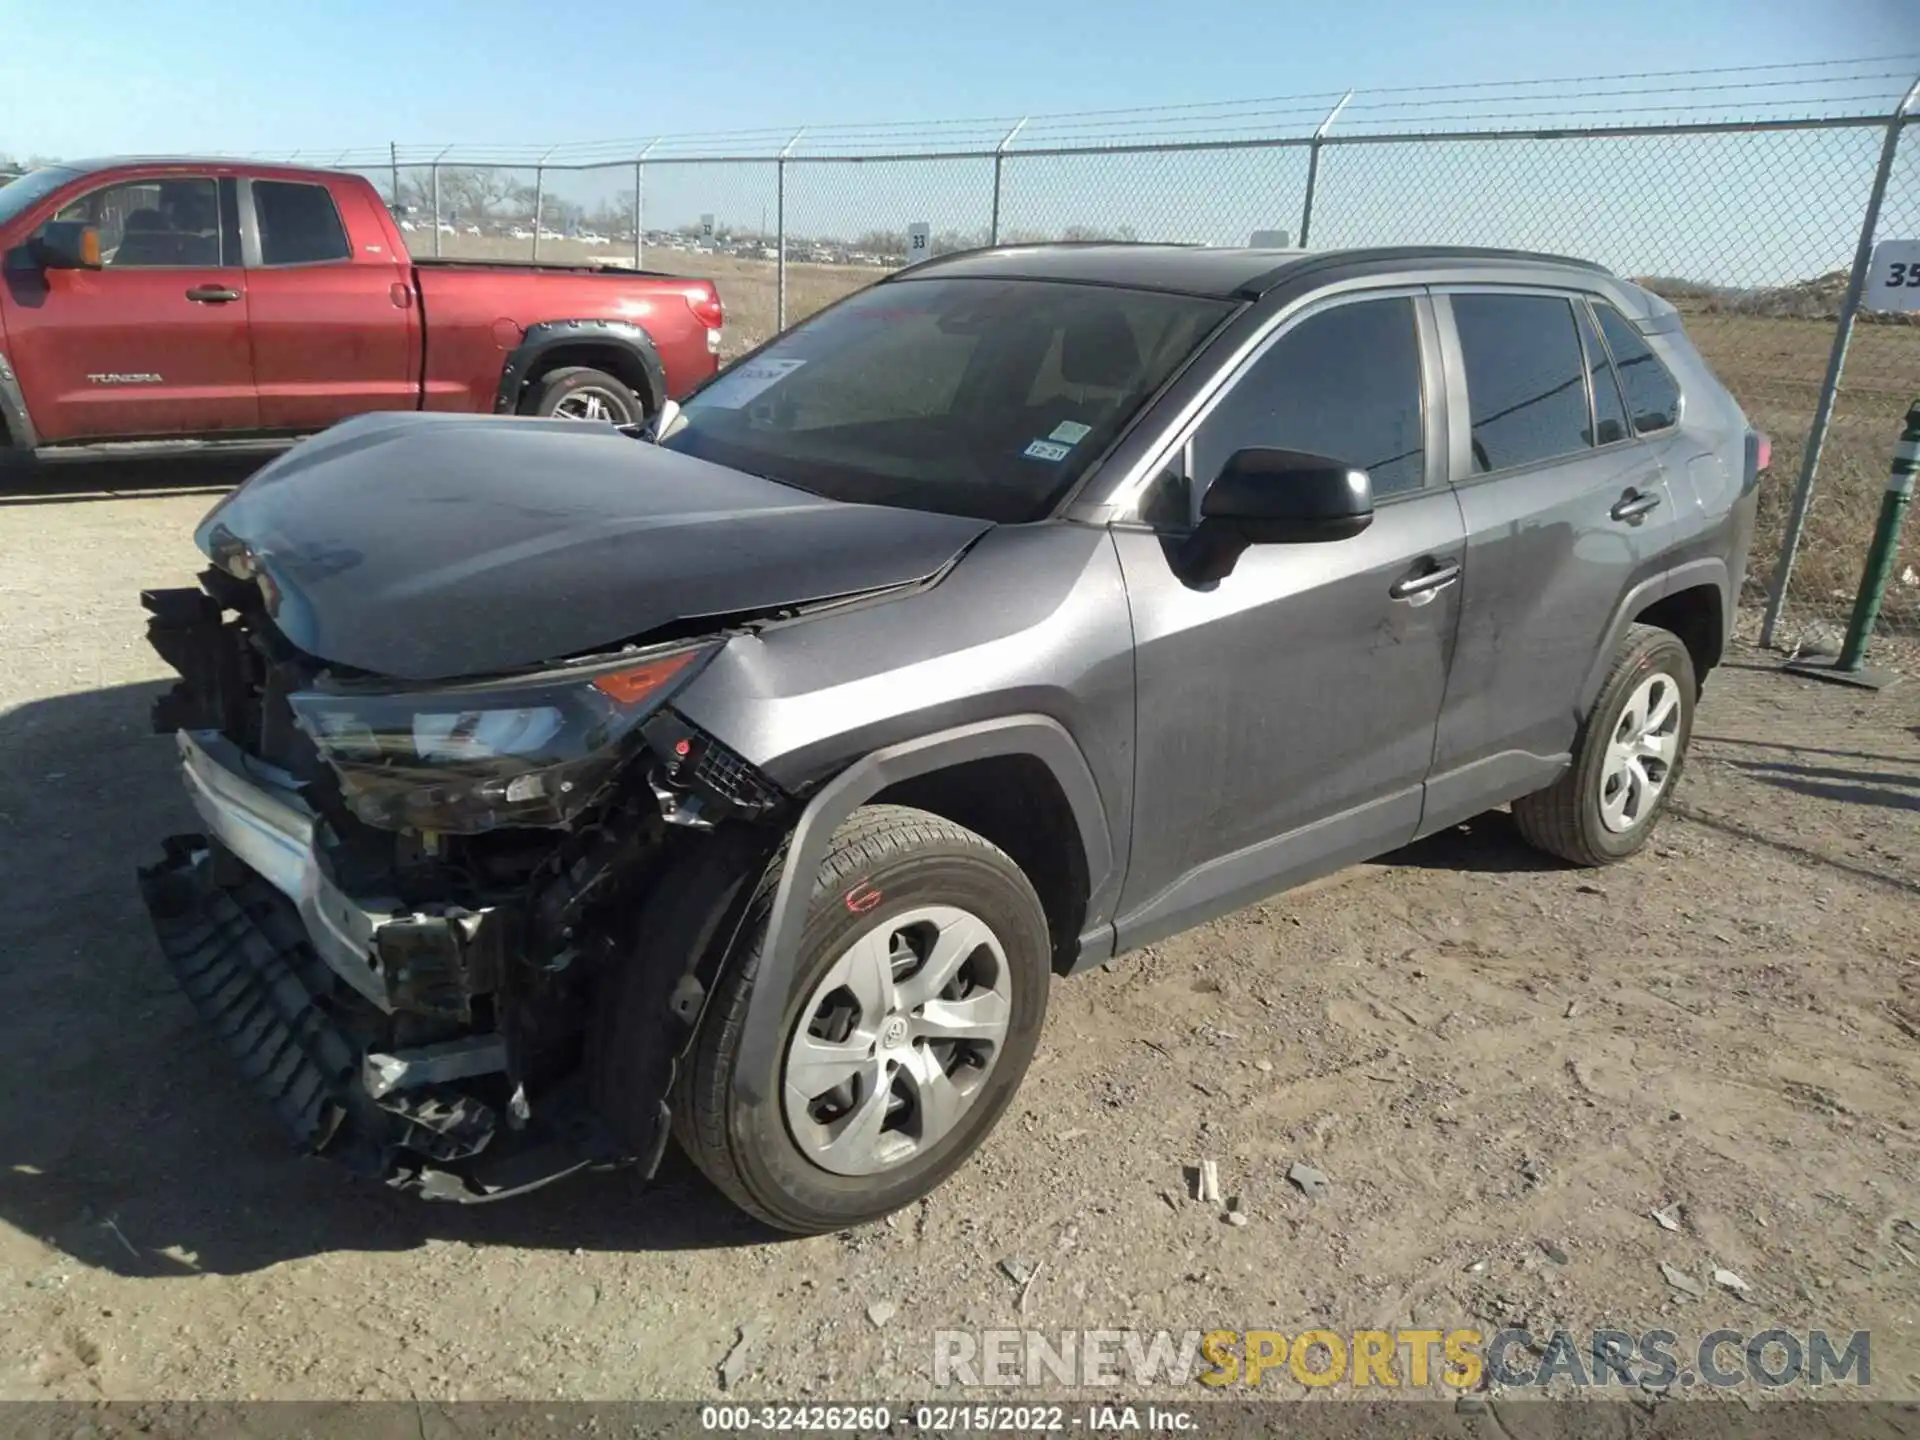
x=1653 y=396
x=299 y=224
x=1526 y=379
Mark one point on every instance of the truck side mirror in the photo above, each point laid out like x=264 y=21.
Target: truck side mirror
x=67 y=245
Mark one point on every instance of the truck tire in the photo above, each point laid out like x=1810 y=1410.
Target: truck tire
x=579 y=392
x=920 y=930
x=1627 y=757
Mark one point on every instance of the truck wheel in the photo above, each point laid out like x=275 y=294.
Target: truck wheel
x=919 y=994
x=578 y=392
x=1626 y=760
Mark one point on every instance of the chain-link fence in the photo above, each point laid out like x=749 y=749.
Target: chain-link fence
x=1752 y=227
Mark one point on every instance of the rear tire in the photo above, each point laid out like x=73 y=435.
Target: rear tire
x=1627 y=757
x=932 y=1100
x=579 y=392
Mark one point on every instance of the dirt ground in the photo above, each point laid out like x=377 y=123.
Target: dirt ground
x=1499 y=1064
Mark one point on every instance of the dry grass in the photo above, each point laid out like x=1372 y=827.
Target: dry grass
x=749 y=287
x=1773 y=365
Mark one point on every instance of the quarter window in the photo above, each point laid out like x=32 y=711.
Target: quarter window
x=299 y=224
x=1344 y=383
x=1653 y=398
x=1526 y=379
x=1609 y=413
x=153 y=224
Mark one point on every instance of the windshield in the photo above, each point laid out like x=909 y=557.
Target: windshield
x=17 y=195
x=986 y=398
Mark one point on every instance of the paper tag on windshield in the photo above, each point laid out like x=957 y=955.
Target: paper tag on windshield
x=738 y=386
x=1047 y=450
x=1071 y=431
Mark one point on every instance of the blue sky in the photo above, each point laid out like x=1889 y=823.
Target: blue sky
x=106 y=75
x=110 y=76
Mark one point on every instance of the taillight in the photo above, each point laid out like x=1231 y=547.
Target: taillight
x=704 y=301
x=1763 y=450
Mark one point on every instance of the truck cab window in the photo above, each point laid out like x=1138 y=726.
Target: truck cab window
x=153 y=224
x=299 y=224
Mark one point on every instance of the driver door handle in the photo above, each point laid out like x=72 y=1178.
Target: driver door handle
x=1419 y=588
x=212 y=294
x=1634 y=504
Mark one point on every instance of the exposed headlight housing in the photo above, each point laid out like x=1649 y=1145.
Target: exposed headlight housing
x=531 y=750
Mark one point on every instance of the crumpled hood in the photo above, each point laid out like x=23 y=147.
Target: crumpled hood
x=427 y=547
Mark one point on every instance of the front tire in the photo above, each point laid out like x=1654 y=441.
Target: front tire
x=918 y=997
x=1626 y=760
x=579 y=392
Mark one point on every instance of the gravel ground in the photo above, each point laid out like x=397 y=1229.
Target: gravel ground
x=1502 y=1067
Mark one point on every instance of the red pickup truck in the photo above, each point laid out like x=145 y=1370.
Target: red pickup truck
x=172 y=300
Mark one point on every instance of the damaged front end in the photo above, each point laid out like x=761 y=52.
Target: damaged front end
x=404 y=899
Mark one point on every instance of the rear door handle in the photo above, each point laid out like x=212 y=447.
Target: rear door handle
x=212 y=294
x=1634 y=504
x=1420 y=588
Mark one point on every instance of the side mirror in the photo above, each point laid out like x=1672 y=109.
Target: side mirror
x=1288 y=497
x=67 y=245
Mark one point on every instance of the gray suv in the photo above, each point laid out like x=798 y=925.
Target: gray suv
x=747 y=776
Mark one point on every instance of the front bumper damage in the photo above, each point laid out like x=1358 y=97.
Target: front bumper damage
x=310 y=988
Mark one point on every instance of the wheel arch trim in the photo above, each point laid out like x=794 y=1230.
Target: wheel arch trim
x=20 y=434
x=1695 y=573
x=542 y=339
x=1037 y=735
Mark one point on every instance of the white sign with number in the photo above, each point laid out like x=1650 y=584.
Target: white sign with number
x=706 y=227
x=1893 y=276
x=919 y=242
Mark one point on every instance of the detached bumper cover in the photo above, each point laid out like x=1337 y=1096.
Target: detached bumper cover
x=300 y=982
x=238 y=950
x=243 y=961
x=395 y=960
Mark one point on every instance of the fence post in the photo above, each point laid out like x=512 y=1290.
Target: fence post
x=780 y=232
x=539 y=197
x=435 y=174
x=640 y=206
x=1836 y=363
x=1886 y=544
x=999 y=157
x=1313 y=166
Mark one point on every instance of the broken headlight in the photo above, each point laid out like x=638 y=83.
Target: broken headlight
x=531 y=750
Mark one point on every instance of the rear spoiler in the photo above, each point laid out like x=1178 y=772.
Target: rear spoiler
x=1657 y=315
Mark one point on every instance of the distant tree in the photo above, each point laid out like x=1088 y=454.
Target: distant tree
x=1096 y=232
x=614 y=214
x=474 y=193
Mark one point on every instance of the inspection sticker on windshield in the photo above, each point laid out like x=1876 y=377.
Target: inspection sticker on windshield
x=1071 y=431
x=737 y=387
x=1047 y=450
